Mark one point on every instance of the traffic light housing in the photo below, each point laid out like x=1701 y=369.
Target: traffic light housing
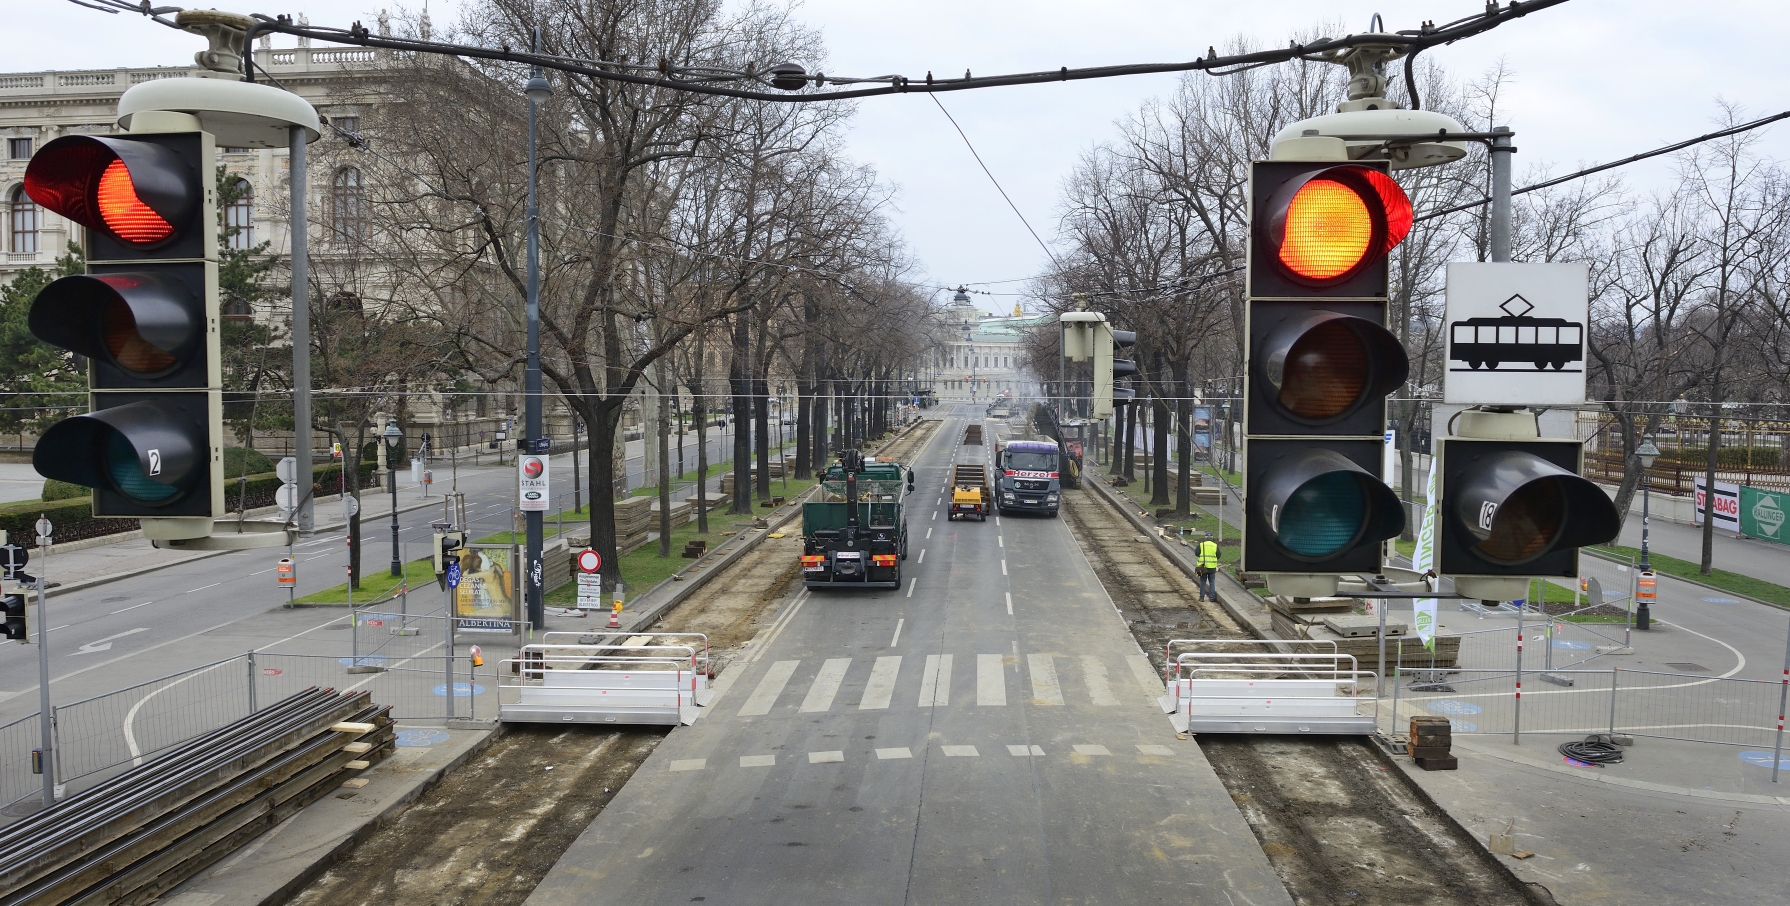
x=446 y=548
x=1320 y=365
x=145 y=317
x=16 y=629
x=1109 y=369
x=1514 y=507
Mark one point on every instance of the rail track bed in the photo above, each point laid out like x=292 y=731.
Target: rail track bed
x=489 y=831
x=1337 y=821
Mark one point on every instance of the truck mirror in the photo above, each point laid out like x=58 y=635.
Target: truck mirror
x=910 y=478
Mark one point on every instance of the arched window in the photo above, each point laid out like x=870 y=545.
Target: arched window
x=26 y=218
x=239 y=216
x=349 y=214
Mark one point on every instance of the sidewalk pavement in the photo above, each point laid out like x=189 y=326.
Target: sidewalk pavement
x=1748 y=556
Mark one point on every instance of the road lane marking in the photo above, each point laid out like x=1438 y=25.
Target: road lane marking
x=1099 y=690
x=881 y=687
x=1003 y=567
x=897 y=639
x=935 y=681
x=826 y=685
x=689 y=764
x=1000 y=541
x=938 y=501
x=202 y=588
x=1026 y=751
x=897 y=752
x=1091 y=750
x=1045 y=688
x=929 y=532
x=997 y=521
x=757 y=761
x=763 y=697
x=98 y=645
x=910 y=585
x=1009 y=603
x=832 y=757
x=991 y=680
x=960 y=751
x=132 y=607
x=922 y=556
x=1155 y=750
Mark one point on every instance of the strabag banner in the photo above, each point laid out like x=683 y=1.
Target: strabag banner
x=1727 y=505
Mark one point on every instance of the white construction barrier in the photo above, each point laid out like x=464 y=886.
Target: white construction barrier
x=604 y=677
x=1252 y=686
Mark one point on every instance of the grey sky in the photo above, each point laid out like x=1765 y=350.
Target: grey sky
x=1594 y=80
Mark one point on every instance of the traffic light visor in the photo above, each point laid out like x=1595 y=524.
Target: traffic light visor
x=1326 y=227
x=144 y=322
x=139 y=193
x=139 y=450
x=1517 y=507
x=1320 y=504
x=1325 y=365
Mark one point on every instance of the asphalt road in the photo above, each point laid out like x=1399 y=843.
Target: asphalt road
x=985 y=733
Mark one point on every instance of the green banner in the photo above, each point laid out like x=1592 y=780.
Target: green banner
x=1762 y=514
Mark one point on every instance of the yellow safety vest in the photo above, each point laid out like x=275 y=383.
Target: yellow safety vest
x=1209 y=554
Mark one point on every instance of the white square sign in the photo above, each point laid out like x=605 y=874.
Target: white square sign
x=1515 y=334
x=531 y=476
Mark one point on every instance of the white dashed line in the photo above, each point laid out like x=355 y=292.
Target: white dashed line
x=689 y=764
x=910 y=586
x=922 y=556
x=825 y=757
x=1009 y=603
x=898 y=752
x=897 y=638
x=1091 y=750
x=757 y=761
x=960 y=751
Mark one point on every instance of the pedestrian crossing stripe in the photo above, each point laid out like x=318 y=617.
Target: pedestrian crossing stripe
x=1052 y=681
x=836 y=756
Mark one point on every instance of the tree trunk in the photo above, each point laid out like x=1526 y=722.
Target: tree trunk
x=821 y=403
x=804 y=431
x=739 y=380
x=602 y=418
x=1128 y=467
x=664 y=442
x=1184 y=461
x=699 y=409
x=761 y=418
x=1712 y=451
x=1159 y=419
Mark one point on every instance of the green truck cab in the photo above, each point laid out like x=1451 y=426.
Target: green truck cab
x=856 y=534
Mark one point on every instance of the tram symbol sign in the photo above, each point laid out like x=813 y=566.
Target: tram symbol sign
x=1515 y=334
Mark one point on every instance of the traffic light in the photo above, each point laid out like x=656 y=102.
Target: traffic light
x=1514 y=506
x=1109 y=369
x=1320 y=364
x=15 y=628
x=446 y=549
x=145 y=317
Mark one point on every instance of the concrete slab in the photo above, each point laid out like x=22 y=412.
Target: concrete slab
x=280 y=862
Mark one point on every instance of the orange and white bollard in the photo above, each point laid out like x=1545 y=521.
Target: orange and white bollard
x=615 y=611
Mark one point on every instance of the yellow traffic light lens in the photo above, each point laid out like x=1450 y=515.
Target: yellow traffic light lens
x=1326 y=372
x=1329 y=230
x=127 y=346
x=124 y=213
x=1527 y=523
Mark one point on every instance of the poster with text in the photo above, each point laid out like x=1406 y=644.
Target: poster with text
x=486 y=598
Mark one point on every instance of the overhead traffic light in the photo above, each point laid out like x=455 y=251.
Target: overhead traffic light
x=446 y=549
x=1320 y=365
x=145 y=316
x=1514 y=506
x=16 y=628
x=1109 y=369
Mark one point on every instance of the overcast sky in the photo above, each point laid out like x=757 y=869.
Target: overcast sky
x=1595 y=80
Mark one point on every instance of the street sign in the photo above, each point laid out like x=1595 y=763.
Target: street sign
x=285 y=574
x=543 y=444
x=350 y=506
x=453 y=575
x=531 y=476
x=589 y=561
x=287 y=470
x=286 y=497
x=43 y=531
x=1516 y=334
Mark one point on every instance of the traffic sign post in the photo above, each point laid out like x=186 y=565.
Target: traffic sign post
x=47 y=764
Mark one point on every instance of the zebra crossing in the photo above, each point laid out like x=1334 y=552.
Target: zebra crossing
x=1042 y=679
x=1086 y=751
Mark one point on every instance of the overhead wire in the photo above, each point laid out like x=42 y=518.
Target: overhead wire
x=997 y=183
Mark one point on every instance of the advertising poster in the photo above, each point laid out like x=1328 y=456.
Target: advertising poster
x=485 y=601
x=531 y=477
x=1727 y=505
x=1762 y=514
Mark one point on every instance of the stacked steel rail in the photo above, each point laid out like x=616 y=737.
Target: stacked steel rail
x=137 y=835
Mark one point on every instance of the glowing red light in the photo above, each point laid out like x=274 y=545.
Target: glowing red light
x=124 y=213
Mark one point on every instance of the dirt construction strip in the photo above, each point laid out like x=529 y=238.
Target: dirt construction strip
x=488 y=833
x=1337 y=822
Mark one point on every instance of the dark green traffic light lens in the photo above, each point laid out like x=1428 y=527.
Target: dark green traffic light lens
x=1324 y=516
x=127 y=473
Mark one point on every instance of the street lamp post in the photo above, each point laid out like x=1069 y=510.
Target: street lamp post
x=538 y=92
x=1648 y=453
x=394 y=450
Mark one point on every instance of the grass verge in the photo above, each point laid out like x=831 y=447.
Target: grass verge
x=1720 y=578
x=378 y=581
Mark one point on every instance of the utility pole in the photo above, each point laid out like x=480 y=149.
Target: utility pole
x=538 y=92
x=301 y=335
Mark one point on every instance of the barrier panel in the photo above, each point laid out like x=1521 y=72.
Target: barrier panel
x=600 y=677
x=1248 y=686
x=17 y=739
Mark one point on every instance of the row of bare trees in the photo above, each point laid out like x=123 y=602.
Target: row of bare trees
x=1688 y=280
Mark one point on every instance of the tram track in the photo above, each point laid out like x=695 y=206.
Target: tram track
x=1338 y=822
x=487 y=833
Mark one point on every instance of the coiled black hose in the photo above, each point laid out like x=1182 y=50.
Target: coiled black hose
x=1595 y=750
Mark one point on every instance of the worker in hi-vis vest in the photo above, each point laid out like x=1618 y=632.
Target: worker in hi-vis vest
x=1206 y=567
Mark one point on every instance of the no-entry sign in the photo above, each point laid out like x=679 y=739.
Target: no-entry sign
x=589 y=561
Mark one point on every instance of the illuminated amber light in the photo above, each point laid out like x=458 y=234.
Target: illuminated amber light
x=1329 y=229
x=124 y=213
x=128 y=348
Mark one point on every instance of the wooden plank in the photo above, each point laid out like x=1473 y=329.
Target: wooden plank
x=357 y=765
x=349 y=726
x=358 y=748
x=356 y=783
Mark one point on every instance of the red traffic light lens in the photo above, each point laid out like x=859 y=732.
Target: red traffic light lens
x=1396 y=205
x=1325 y=373
x=124 y=213
x=1329 y=229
